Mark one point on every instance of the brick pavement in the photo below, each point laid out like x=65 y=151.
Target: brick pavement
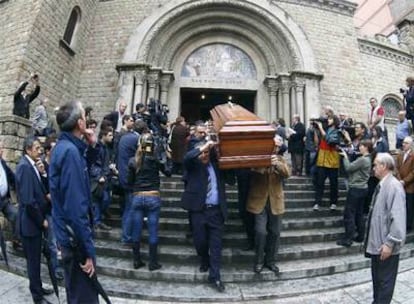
x=14 y=290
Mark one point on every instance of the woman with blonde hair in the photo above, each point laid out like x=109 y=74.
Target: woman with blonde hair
x=144 y=180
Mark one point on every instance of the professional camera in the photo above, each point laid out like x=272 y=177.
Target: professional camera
x=350 y=130
x=322 y=120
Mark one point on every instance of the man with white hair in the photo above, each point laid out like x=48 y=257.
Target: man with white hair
x=115 y=117
x=386 y=229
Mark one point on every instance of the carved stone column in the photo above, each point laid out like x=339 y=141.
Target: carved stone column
x=126 y=88
x=166 y=79
x=284 y=85
x=153 y=83
x=140 y=76
x=271 y=84
x=299 y=87
x=286 y=103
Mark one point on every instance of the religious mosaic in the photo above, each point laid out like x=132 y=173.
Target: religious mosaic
x=219 y=61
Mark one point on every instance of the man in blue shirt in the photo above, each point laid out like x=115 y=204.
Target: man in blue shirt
x=204 y=198
x=402 y=130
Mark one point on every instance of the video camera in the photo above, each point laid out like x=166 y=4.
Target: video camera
x=322 y=120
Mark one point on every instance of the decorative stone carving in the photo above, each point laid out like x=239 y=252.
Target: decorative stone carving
x=385 y=51
x=162 y=31
x=338 y=6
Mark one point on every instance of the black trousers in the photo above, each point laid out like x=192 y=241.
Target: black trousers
x=32 y=247
x=207 y=235
x=322 y=174
x=243 y=185
x=354 y=213
x=297 y=163
x=409 y=198
x=79 y=288
x=384 y=275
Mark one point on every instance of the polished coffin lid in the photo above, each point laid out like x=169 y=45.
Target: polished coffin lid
x=244 y=139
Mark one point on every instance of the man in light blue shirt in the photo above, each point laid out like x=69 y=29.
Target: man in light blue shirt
x=403 y=129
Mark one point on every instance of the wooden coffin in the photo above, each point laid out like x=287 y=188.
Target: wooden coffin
x=244 y=139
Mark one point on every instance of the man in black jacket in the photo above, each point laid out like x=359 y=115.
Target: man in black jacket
x=23 y=97
x=204 y=198
x=296 y=145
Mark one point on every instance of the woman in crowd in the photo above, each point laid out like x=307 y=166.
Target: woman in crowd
x=144 y=180
x=358 y=174
x=379 y=141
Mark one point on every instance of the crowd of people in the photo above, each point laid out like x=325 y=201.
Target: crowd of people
x=125 y=154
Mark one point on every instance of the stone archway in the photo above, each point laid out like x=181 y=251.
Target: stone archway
x=278 y=47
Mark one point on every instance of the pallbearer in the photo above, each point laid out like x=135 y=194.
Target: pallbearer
x=266 y=202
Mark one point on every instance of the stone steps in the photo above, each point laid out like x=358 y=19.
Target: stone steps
x=348 y=271
x=235 y=225
x=308 y=252
x=232 y=194
x=171 y=211
x=235 y=239
x=232 y=204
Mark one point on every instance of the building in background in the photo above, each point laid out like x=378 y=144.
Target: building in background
x=276 y=57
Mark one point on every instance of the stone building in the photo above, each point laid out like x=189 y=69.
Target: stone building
x=275 y=57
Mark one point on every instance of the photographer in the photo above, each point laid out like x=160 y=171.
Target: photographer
x=25 y=95
x=353 y=141
x=327 y=161
x=409 y=99
x=358 y=174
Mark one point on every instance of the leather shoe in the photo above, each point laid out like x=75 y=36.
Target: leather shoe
x=203 y=268
x=273 y=268
x=358 y=239
x=343 y=242
x=42 y=301
x=46 y=291
x=218 y=285
x=258 y=268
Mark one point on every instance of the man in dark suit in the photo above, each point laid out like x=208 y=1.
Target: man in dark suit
x=31 y=195
x=115 y=117
x=23 y=97
x=7 y=182
x=204 y=198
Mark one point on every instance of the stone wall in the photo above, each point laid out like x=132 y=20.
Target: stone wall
x=13 y=130
x=106 y=27
x=14 y=37
x=114 y=24
x=33 y=45
x=334 y=41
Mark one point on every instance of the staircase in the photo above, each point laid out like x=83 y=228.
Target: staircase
x=309 y=259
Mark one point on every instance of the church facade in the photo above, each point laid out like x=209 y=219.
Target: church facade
x=275 y=57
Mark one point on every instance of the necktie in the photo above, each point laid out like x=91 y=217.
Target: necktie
x=374 y=197
x=209 y=185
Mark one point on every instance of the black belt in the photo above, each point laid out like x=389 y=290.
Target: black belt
x=211 y=206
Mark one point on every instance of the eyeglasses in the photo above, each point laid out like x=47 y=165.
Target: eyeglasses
x=407 y=143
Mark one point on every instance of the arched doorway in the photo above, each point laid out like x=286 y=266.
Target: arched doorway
x=279 y=50
x=197 y=103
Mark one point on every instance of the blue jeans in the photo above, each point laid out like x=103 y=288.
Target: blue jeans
x=145 y=206
x=126 y=219
x=100 y=206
